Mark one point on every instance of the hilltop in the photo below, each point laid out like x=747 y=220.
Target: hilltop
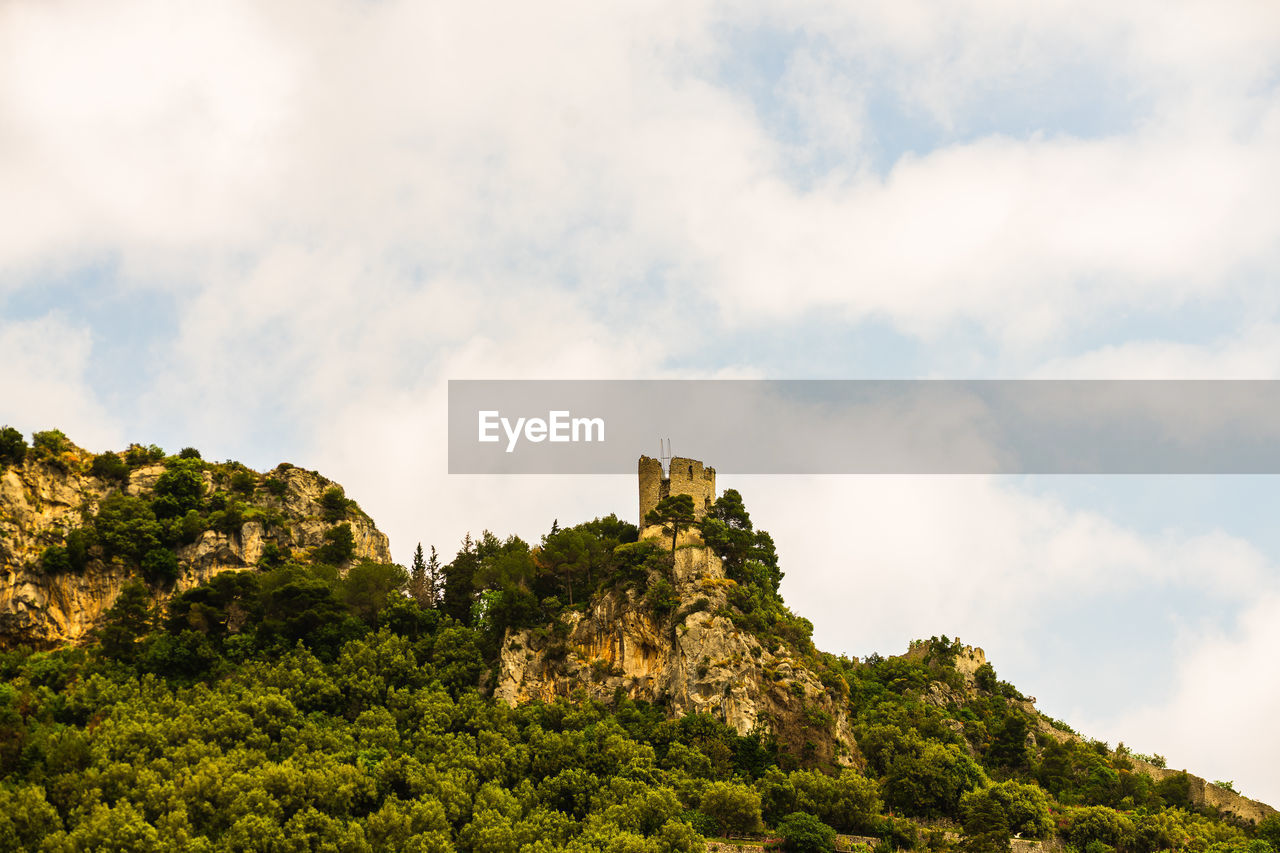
x=76 y=526
x=205 y=657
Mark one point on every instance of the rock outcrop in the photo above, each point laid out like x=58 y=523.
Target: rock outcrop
x=690 y=659
x=42 y=500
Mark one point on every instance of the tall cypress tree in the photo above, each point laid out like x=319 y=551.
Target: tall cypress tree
x=435 y=579
x=459 y=583
x=418 y=577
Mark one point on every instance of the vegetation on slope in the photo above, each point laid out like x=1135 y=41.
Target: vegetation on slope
x=296 y=707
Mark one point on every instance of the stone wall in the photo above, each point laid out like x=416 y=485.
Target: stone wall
x=684 y=477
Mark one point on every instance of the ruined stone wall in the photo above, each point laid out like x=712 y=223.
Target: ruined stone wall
x=689 y=477
x=651 y=483
x=686 y=477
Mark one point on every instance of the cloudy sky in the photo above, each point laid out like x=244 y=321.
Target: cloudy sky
x=275 y=230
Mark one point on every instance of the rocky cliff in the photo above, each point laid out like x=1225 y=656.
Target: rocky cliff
x=45 y=497
x=688 y=658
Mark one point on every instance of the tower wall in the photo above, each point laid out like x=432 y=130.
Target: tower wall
x=651 y=482
x=687 y=477
x=690 y=477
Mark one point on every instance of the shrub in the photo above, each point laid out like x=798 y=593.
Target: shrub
x=734 y=807
x=137 y=455
x=54 y=560
x=72 y=556
x=13 y=447
x=662 y=597
x=334 y=504
x=50 y=443
x=243 y=481
x=160 y=565
x=189 y=453
x=191 y=527
x=339 y=546
x=109 y=466
x=804 y=833
x=984 y=678
x=369 y=586
x=179 y=489
x=276 y=486
x=127 y=528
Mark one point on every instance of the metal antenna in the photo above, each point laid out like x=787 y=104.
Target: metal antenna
x=664 y=457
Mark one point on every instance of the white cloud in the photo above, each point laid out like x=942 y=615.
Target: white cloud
x=43 y=384
x=356 y=202
x=1220 y=722
x=598 y=145
x=1119 y=631
x=1252 y=352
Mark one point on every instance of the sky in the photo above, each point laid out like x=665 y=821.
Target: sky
x=274 y=231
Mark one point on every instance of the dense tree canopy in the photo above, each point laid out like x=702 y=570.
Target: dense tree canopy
x=320 y=702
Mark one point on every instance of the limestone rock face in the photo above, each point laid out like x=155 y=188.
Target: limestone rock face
x=40 y=501
x=691 y=659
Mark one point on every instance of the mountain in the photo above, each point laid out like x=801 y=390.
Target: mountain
x=197 y=656
x=238 y=519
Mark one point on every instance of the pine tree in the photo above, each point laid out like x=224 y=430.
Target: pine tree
x=674 y=513
x=459 y=587
x=128 y=620
x=418 y=577
x=435 y=580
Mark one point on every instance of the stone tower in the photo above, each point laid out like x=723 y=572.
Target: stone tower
x=685 y=477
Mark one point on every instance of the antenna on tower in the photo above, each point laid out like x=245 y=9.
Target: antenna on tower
x=664 y=457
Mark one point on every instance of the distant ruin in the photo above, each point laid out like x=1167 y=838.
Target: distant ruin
x=682 y=477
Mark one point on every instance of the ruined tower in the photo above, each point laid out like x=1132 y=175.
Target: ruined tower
x=684 y=477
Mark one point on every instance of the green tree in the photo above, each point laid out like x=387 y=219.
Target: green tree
x=459 y=583
x=734 y=807
x=675 y=513
x=1009 y=744
x=457 y=659
x=1098 y=825
x=244 y=481
x=179 y=489
x=13 y=447
x=109 y=466
x=1269 y=830
x=26 y=818
x=126 y=528
x=418 y=577
x=368 y=587
x=986 y=826
x=804 y=833
x=985 y=678
x=334 y=504
x=727 y=530
x=849 y=802
x=50 y=443
x=928 y=778
x=564 y=554
x=435 y=580
x=160 y=565
x=339 y=545
x=127 y=622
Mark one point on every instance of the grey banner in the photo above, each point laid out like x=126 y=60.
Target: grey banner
x=867 y=426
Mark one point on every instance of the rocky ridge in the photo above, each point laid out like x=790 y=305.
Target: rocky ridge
x=690 y=659
x=1202 y=793
x=42 y=499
